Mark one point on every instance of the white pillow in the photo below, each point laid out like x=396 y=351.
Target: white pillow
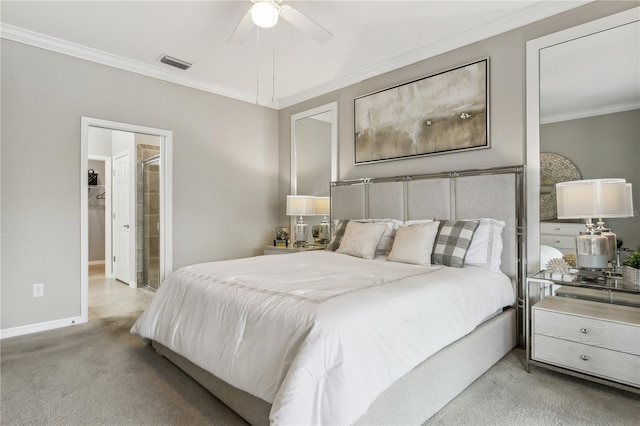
x=486 y=246
x=361 y=239
x=386 y=242
x=414 y=243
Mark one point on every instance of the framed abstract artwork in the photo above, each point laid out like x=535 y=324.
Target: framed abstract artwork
x=442 y=113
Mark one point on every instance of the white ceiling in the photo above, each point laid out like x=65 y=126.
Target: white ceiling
x=369 y=38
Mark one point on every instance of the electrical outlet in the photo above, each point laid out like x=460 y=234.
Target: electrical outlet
x=38 y=290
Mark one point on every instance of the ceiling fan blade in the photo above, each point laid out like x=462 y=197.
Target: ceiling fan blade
x=242 y=31
x=304 y=24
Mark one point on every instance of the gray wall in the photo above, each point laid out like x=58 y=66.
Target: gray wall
x=225 y=168
x=605 y=146
x=507 y=53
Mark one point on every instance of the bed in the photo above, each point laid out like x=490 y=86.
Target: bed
x=351 y=345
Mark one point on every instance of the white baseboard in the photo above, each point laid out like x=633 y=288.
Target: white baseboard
x=96 y=262
x=42 y=326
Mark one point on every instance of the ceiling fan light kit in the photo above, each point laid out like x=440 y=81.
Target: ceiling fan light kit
x=264 y=14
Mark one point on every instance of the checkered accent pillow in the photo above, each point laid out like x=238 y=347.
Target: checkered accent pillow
x=337 y=234
x=452 y=242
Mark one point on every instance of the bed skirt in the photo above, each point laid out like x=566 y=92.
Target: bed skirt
x=412 y=399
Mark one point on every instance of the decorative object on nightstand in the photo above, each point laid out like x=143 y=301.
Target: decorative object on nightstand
x=282 y=237
x=323 y=208
x=570 y=258
x=587 y=199
x=559 y=270
x=301 y=205
x=631 y=269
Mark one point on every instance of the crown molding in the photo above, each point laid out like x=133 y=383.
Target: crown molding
x=529 y=15
x=586 y=113
x=32 y=38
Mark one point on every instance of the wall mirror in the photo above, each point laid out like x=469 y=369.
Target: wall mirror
x=583 y=104
x=314 y=155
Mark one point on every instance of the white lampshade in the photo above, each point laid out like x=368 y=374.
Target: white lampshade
x=301 y=205
x=628 y=210
x=264 y=14
x=593 y=198
x=323 y=206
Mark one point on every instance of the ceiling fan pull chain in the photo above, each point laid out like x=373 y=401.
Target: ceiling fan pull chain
x=257 y=66
x=273 y=66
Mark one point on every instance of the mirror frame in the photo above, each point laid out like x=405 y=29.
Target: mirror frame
x=332 y=108
x=533 y=118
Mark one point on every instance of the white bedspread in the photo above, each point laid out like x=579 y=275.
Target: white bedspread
x=317 y=334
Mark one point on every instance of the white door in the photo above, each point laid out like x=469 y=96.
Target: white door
x=122 y=224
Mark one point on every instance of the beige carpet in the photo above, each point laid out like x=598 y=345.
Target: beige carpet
x=99 y=374
x=508 y=395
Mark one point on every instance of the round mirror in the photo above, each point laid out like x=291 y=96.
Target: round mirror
x=554 y=168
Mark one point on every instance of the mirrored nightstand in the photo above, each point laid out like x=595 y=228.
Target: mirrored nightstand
x=290 y=249
x=584 y=327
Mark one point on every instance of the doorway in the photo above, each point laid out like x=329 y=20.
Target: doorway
x=139 y=249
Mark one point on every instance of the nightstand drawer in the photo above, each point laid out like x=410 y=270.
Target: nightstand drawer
x=559 y=241
x=590 y=331
x=554 y=228
x=600 y=362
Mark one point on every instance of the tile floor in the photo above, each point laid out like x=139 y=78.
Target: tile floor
x=109 y=297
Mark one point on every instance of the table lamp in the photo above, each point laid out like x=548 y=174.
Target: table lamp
x=587 y=199
x=300 y=205
x=323 y=208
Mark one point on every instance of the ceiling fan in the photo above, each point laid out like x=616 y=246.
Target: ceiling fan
x=265 y=14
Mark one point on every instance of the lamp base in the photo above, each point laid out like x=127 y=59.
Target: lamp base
x=592 y=261
x=592 y=250
x=301 y=233
x=324 y=232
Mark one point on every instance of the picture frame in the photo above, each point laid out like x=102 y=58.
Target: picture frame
x=442 y=113
x=282 y=233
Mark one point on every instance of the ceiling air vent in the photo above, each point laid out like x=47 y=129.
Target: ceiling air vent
x=174 y=62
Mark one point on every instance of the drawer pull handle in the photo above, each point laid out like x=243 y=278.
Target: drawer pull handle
x=584 y=357
x=584 y=330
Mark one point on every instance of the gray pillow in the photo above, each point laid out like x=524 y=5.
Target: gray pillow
x=452 y=242
x=338 y=233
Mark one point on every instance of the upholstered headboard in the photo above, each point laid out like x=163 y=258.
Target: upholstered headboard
x=496 y=193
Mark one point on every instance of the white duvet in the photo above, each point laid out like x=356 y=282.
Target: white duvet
x=317 y=334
